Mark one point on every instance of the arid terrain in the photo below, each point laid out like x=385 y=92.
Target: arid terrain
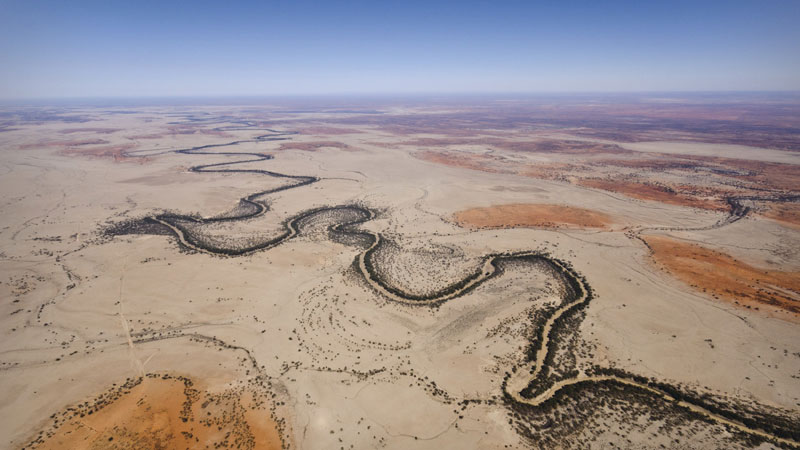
x=474 y=273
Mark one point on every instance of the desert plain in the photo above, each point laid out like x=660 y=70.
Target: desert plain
x=487 y=273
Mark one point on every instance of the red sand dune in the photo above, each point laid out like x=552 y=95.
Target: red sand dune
x=725 y=277
x=532 y=215
x=172 y=413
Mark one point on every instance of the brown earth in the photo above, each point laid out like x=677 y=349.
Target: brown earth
x=168 y=413
x=767 y=124
x=116 y=152
x=313 y=146
x=495 y=164
x=725 y=277
x=464 y=161
x=567 y=147
x=656 y=163
x=327 y=131
x=553 y=146
x=147 y=136
x=63 y=143
x=770 y=175
x=532 y=215
x=89 y=130
x=788 y=213
x=702 y=197
x=190 y=129
x=654 y=192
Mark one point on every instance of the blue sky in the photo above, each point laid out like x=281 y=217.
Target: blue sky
x=197 y=48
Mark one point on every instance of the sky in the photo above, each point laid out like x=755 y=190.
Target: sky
x=110 y=48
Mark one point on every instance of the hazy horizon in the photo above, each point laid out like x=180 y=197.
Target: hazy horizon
x=341 y=99
x=154 y=49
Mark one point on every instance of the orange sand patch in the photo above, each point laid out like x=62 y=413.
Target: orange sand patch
x=653 y=192
x=313 y=146
x=532 y=215
x=464 y=161
x=494 y=164
x=163 y=412
x=117 y=152
x=726 y=278
x=552 y=171
x=63 y=143
x=785 y=212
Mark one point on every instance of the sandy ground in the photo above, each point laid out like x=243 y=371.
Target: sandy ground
x=332 y=363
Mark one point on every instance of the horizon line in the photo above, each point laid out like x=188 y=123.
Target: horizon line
x=10 y=101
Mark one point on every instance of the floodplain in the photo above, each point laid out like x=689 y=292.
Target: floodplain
x=534 y=272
